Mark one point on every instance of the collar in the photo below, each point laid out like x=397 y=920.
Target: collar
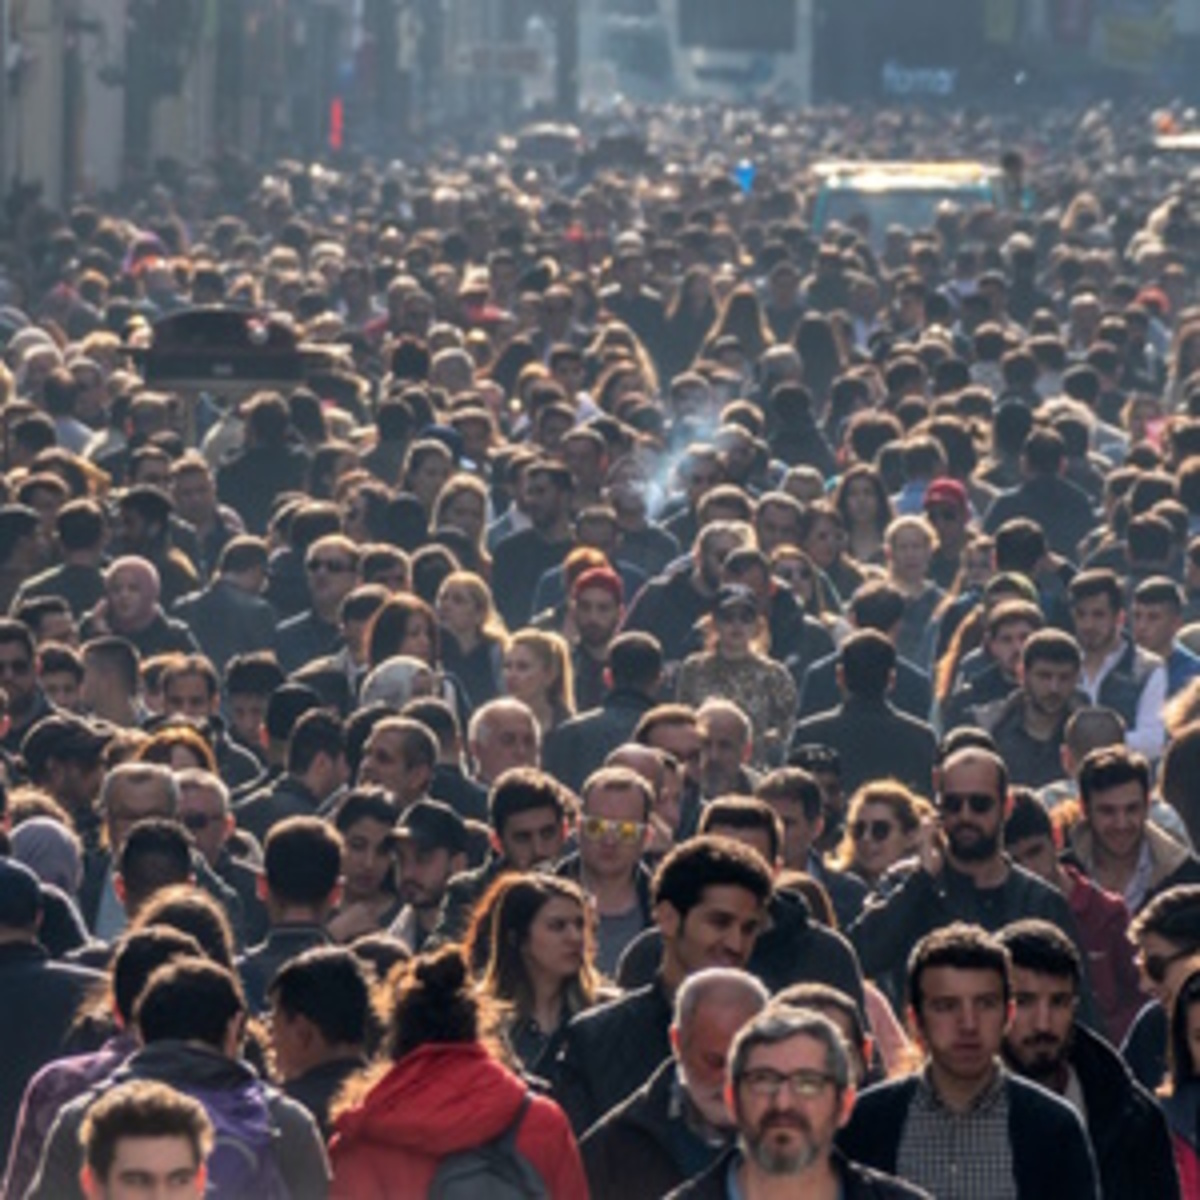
x=983 y=1102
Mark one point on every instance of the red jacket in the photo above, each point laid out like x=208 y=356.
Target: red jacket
x=436 y=1101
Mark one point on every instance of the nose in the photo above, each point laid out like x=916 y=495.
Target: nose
x=969 y=1019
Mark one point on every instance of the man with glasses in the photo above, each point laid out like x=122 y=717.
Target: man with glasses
x=963 y=873
x=963 y=1125
x=790 y=1089
x=331 y=567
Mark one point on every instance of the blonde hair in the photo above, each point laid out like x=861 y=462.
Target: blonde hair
x=492 y=625
x=907 y=807
x=457 y=485
x=555 y=655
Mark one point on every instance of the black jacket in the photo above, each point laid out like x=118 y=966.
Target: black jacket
x=258 y=965
x=818 y=688
x=1052 y=1159
x=667 y=607
x=577 y=747
x=858 y=1183
x=227 y=620
x=302 y=638
x=285 y=797
x=1062 y=510
x=630 y=1154
x=609 y=1052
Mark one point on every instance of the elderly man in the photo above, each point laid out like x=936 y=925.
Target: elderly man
x=503 y=734
x=131 y=609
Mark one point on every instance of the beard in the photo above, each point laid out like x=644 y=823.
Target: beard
x=1041 y=1057
x=777 y=1161
x=979 y=848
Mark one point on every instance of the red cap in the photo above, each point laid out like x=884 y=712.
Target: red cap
x=947 y=491
x=601 y=577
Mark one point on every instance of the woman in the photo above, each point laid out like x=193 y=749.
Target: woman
x=177 y=747
x=741 y=317
x=690 y=316
x=403 y=625
x=1181 y=1094
x=473 y=636
x=909 y=542
x=426 y=468
x=823 y=538
x=793 y=567
x=881 y=829
x=734 y=668
x=537 y=670
x=462 y=504
x=866 y=511
x=539 y=961
x=443 y=1093
x=366 y=819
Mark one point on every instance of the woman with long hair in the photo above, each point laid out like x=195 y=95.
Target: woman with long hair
x=690 y=315
x=441 y=1091
x=742 y=317
x=473 y=636
x=366 y=819
x=1180 y=1094
x=823 y=538
x=462 y=504
x=538 y=949
x=537 y=670
x=881 y=829
x=866 y=511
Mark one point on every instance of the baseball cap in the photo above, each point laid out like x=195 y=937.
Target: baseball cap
x=433 y=826
x=62 y=736
x=947 y=491
x=736 y=597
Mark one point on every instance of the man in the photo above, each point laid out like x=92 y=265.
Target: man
x=27 y=703
x=790 y=1089
x=130 y=609
x=450 y=782
x=400 y=755
x=725 y=749
x=520 y=559
x=527 y=812
x=60 y=672
x=596 y=607
x=331 y=567
x=1047 y=1043
x=80 y=530
x=674 y=729
x=300 y=886
x=315 y=769
x=191 y=1020
x=629 y=299
x=963 y=873
x=1116 y=844
x=948 y=509
x=676 y=1124
x=613 y=829
x=40 y=998
x=431 y=848
x=1100 y=917
x=63 y=754
x=1157 y=619
x=49 y=619
x=1116 y=673
x=709 y=900
x=22 y=550
x=1030 y=727
x=230 y=617
x=320 y=1018
x=194 y=491
x=145 y=1138
x=251 y=682
x=796 y=798
x=873 y=739
x=112 y=683
x=142 y=528
x=963 y=1125
x=503 y=735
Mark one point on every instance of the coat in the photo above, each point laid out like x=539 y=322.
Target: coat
x=227 y=620
x=579 y=746
x=441 y=1100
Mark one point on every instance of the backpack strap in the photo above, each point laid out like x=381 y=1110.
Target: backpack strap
x=508 y=1139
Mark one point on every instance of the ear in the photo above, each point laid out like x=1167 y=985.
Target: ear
x=88 y=1183
x=495 y=842
x=119 y=887
x=847 y=1106
x=260 y=887
x=675 y=1040
x=667 y=917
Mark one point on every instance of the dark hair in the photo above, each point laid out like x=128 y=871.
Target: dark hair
x=318 y=731
x=635 y=660
x=139 y=954
x=390 y=624
x=708 y=861
x=1179 y=1049
x=192 y=911
x=436 y=1001
x=1044 y=451
x=156 y=854
x=1110 y=767
x=744 y=812
x=1019 y=543
x=188 y=1001
x=1035 y=945
x=302 y=861
x=1027 y=817
x=328 y=986
x=13 y=631
x=1099 y=581
x=877 y=605
x=366 y=804
x=257 y=674
x=437 y=716
x=867 y=659
x=242 y=554
x=80 y=525
x=525 y=789
x=1159 y=590
x=962 y=946
x=1052 y=646
x=1173 y=915
x=792 y=783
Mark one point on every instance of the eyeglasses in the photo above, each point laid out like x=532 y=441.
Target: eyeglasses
x=980 y=803
x=878 y=831
x=739 y=616
x=1157 y=965
x=596 y=829
x=332 y=565
x=198 y=822
x=804 y=1084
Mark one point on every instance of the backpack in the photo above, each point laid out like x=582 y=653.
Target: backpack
x=244 y=1163
x=497 y=1170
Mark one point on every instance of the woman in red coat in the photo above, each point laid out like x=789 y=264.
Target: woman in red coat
x=442 y=1094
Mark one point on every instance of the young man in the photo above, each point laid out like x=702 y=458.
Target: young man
x=145 y=1139
x=431 y=848
x=1157 y=619
x=963 y=1125
x=710 y=899
x=1047 y=1043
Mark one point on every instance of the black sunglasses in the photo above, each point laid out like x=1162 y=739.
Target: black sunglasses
x=878 y=831
x=980 y=803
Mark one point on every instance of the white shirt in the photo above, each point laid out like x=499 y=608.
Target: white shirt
x=1148 y=735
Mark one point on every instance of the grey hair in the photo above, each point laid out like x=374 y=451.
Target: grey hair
x=719 y=985
x=479 y=730
x=777 y=1025
x=201 y=779
x=139 y=773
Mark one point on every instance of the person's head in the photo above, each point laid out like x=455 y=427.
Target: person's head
x=465 y=607
x=400 y=755
x=63 y=753
x=320 y=1010
x=1114 y=789
x=959 y=997
x=1097 y=610
x=547 y=495
x=710 y=1007
x=1167 y=934
x=752 y=822
x=50 y=619
x=824 y=764
x=842 y=1009
x=110 y=675
x=316 y=752
x=795 y=797
x=1157 y=614
x=1008 y=627
x=613 y=824
x=537 y=670
x=674 y=729
x=1046 y=979
x=1030 y=838
x=131 y=591
x=596 y=606
x=139 y=953
x=21 y=903
x=790 y=1089
x=710 y=898
x=882 y=823
x=909 y=543
x=1050 y=666
x=725 y=745
x=431 y=842
x=527 y=812
x=190 y=687
x=404 y=625
x=143 y=1138
x=331 y=569
x=134 y=792
x=503 y=734
x=18 y=675
x=302 y=867
x=972 y=791
x=366 y=820
x=1183 y=1047
x=433 y=1000
x=866 y=665
x=156 y=854
x=193 y=1000
x=737 y=624
x=60 y=672
x=635 y=663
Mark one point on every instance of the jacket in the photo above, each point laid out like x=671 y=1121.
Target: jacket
x=631 y=1153
x=1052 y=1159
x=610 y=1051
x=441 y=1100
x=1170 y=863
x=577 y=747
x=258 y=966
x=227 y=620
x=667 y=607
x=287 y=796
x=192 y=1069
x=858 y=1182
x=912 y=694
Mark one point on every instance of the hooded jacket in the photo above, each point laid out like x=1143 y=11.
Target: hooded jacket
x=440 y=1100
x=1170 y=863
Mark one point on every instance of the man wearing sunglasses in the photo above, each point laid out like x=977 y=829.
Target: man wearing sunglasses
x=963 y=873
x=331 y=571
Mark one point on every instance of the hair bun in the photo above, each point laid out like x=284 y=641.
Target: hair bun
x=444 y=971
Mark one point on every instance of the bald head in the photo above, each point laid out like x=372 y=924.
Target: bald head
x=131 y=588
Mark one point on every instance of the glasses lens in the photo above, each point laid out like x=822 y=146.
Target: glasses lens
x=979 y=803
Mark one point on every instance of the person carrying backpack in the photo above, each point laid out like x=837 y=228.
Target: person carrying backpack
x=191 y=1018
x=445 y=1120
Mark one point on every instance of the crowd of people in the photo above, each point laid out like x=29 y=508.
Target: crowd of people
x=682 y=703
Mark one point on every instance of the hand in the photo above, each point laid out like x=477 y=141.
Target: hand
x=931 y=847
